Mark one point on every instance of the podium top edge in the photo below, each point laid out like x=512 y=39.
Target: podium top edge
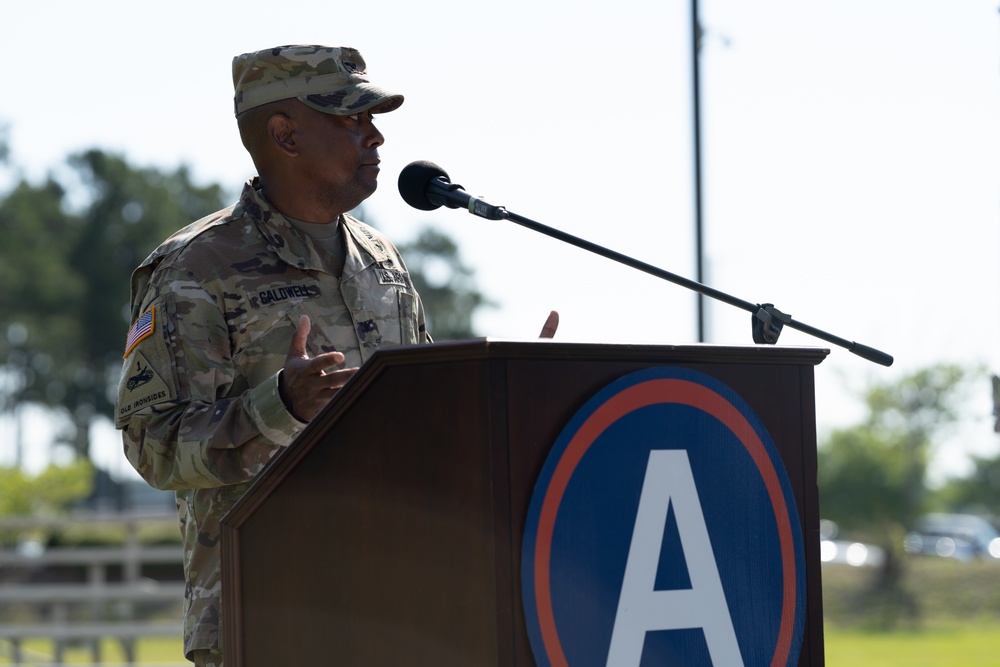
x=495 y=348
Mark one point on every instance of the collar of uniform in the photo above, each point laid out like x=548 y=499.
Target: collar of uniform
x=366 y=237
x=292 y=246
x=296 y=248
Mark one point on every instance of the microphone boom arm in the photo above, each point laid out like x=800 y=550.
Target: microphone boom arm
x=767 y=321
x=426 y=186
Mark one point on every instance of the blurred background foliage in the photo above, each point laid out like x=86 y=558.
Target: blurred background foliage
x=71 y=243
x=51 y=492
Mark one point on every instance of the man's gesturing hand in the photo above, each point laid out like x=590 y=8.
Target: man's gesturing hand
x=305 y=383
x=550 y=326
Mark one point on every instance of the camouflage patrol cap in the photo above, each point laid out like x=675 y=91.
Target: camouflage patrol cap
x=329 y=79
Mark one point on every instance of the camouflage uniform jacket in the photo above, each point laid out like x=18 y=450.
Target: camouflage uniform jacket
x=215 y=308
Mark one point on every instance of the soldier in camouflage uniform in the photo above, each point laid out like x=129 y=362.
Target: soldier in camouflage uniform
x=248 y=321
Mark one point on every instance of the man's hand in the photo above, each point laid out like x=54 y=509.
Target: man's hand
x=550 y=326
x=305 y=384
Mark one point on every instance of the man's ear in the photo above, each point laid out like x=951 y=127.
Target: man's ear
x=281 y=133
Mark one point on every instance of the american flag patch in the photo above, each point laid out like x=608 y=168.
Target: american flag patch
x=142 y=328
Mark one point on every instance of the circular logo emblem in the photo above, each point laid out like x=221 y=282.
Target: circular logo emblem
x=663 y=530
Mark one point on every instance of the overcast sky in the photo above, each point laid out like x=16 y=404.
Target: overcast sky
x=850 y=154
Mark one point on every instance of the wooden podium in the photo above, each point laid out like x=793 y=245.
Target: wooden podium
x=390 y=531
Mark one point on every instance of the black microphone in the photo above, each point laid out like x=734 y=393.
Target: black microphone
x=426 y=186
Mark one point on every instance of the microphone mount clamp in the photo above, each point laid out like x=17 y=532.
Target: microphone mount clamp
x=767 y=324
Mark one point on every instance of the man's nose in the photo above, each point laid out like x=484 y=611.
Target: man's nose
x=373 y=138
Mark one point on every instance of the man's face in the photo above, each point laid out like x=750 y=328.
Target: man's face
x=339 y=156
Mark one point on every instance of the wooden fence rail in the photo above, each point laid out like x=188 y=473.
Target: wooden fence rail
x=94 y=609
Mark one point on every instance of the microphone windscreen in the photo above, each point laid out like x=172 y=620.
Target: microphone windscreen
x=413 y=181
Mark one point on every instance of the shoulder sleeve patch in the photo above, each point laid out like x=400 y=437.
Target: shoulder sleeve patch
x=141 y=386
x=142 y=329
x=148 y=376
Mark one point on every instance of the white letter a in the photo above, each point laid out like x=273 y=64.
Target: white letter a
x=642 y=609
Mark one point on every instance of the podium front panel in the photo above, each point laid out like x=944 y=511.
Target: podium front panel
x=390 y=532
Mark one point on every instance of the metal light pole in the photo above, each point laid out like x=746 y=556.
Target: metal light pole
x=696 y=34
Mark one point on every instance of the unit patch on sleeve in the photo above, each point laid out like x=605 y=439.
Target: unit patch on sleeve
x=143 y=387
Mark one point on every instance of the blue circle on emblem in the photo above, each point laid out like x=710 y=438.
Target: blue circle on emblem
x=663 y=530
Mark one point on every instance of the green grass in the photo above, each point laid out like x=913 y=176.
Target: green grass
x=930 y=594
x=941 y=613
x=152 y=651
x=965 y=646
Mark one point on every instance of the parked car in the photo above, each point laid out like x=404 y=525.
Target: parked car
x=963 y=537
x=832 y=550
